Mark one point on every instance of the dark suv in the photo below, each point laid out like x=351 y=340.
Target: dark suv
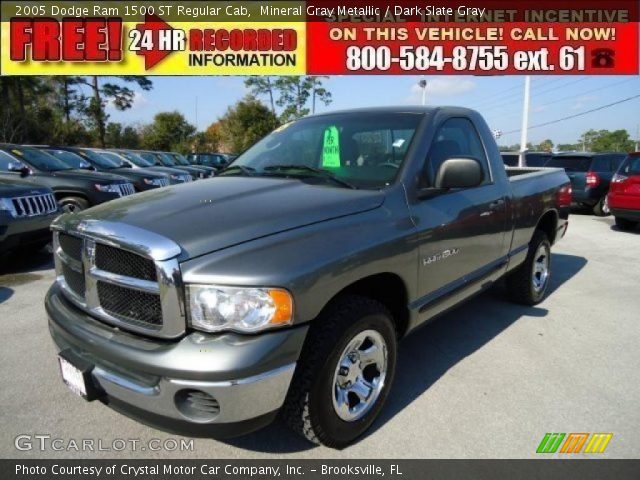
x=531 y=159
x=590 y=175
x=74 y=189
x=26 y=212
x=104 y=161
x=215 y=160
x=135 y=161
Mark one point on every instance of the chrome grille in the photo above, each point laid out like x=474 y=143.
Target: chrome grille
x=164 y=182
x=74 y=280
x=121 y=262
x=71 y=245
x=184 y=178
x=141 y=292
x=131 y=306
x=34 y=205
x=126 y=189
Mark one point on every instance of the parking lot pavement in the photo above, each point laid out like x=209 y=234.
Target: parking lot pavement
x=487 y=380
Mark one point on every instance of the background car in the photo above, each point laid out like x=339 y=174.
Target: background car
x=182 y=161
x=26 y=212
x=532 y=159
x=74 y=189
x=137 y=162
x=215 y=160
x=104 y=161
x=163 y=159
x=624 y=194
x=590 y=175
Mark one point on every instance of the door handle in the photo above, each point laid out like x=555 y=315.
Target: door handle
x=496 y=205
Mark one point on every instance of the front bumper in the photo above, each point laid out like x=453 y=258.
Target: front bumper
x=147 y=379
x=17 y=232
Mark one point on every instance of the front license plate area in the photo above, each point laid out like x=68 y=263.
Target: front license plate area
x=76 y=374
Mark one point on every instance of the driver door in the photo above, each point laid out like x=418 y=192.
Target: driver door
x=461 y=232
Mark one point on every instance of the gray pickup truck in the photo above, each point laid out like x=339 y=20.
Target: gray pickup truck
x=284 y=284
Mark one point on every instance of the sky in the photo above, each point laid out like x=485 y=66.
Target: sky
x=499 y=99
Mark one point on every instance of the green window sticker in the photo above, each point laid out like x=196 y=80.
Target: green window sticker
x=331 y=148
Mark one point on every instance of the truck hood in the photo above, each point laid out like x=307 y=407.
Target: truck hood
x=210 y=215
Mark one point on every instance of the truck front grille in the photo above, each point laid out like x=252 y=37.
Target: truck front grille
x=71 y=245
x=131 y=306
x=74 y=280
x=121 y=262
x=118 y=286
x=34 y=205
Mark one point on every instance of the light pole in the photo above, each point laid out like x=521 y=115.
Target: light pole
x=423 y=85
x=525 y=120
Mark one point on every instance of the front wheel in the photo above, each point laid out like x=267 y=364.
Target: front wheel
x=528 y=283
x=73 y=204
x=344 y=373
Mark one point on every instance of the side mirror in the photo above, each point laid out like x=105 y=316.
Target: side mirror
x=459 y=173
x=19 y=167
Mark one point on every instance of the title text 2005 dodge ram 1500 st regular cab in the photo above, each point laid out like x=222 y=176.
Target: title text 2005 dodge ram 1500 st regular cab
x=284 y=284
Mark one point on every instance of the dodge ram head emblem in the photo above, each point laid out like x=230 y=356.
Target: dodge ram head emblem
x=440 y=256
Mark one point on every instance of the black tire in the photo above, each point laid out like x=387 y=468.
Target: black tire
x=309 y=408
x=601 y=209
x=73 y=204
x=520 y=283
x=625 y=224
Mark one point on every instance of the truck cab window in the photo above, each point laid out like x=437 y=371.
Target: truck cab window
x=457 y=137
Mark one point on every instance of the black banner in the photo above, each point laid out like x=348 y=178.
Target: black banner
x=547 y=469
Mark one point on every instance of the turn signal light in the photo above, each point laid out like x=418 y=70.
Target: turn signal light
x=593 y=180
x=565 y=196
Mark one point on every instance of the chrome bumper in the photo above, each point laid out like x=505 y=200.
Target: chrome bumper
x=239 y=400
x=247 y=376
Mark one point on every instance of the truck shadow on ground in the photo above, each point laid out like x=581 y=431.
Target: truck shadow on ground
x=15 y=263
x=431 y=351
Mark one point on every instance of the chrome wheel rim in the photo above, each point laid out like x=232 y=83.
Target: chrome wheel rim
x=605 y=206
x=360 y=375
x=540 y=269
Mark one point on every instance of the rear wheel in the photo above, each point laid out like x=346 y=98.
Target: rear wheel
x=73 y=204
x=528 y=283
x=344 y=373
x=625 y=224
x=601 y=209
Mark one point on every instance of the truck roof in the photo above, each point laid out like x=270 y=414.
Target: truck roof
x=399 y=109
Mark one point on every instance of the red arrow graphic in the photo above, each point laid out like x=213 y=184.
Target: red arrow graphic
x=153 y=24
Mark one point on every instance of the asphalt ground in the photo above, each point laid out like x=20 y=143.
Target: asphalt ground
x=487 y=380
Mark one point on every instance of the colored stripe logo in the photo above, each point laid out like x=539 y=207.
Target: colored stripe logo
x=574 y=442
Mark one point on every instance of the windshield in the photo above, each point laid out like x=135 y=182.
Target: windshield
x=102 y=161
x=70 y=158
x=39 y=159
x=166 y=160
x=179 y=159
x=570 y=164
x=151 y=158
x=211 y=159
x=364 y=149
x=137 y=160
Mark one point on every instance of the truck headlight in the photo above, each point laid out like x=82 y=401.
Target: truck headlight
x=215 y=308
x=110 y=188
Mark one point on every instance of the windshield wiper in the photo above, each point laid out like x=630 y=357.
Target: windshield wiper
x=249 y=171
x=318 y=173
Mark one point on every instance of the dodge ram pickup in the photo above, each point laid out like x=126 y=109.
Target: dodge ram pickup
x=284 y=284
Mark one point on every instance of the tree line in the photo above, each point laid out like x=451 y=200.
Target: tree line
x=72 y=110
x=589 y=141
